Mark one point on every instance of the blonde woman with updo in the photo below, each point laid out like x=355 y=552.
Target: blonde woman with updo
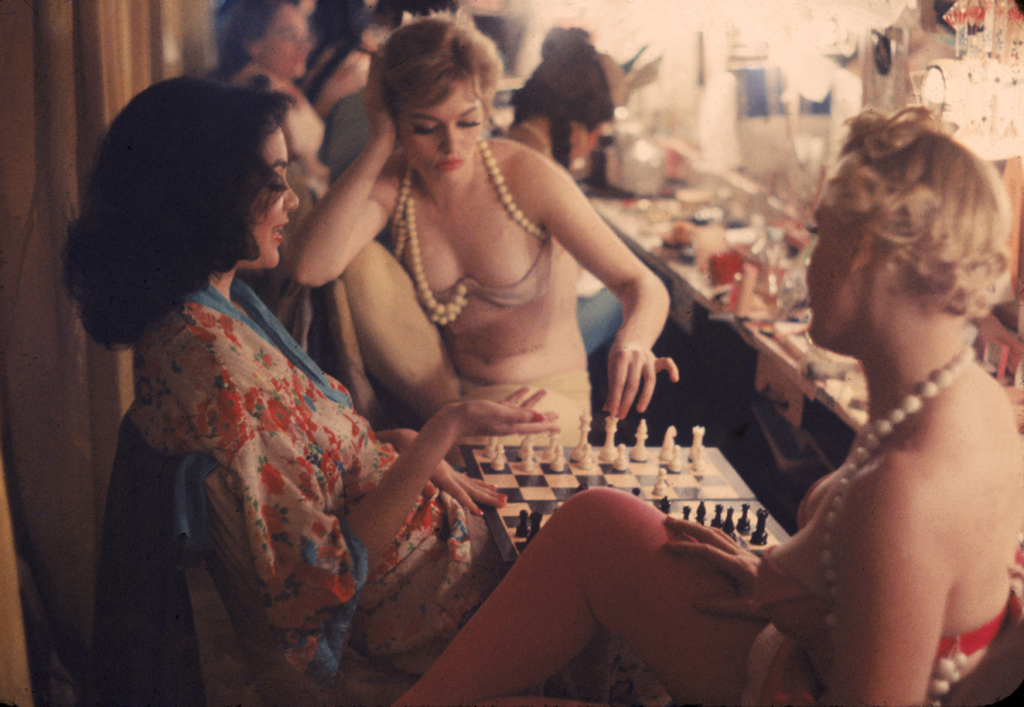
x=905 y=571
x=491 y=232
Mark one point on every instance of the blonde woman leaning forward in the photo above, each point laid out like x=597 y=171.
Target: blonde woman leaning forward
x=905 y=570
x=492 y=233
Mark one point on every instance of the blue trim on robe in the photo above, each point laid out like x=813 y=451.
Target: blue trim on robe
x=190 y=519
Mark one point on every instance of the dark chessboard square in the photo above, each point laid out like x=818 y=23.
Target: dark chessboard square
x=563 y=494
x=688 y=493
x=513 y=495
x=524 y=480
x=710 y=480
x=592 y=480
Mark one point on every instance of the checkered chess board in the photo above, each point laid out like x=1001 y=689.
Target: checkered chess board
x=540 y=491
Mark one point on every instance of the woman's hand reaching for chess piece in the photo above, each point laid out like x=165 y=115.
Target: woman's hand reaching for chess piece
x=686 y=538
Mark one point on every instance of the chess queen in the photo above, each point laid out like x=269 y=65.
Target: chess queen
x=491 y=232
x=902 y=583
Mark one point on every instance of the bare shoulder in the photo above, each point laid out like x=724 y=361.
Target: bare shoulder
x=960 y=457
x=525 y=166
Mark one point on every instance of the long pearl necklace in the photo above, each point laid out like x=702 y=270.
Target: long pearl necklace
x=947 y=670
x=404 y=223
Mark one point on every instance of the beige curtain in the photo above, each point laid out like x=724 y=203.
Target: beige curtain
x=67 y=69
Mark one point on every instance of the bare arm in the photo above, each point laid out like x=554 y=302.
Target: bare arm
x=551 y=193
x=378 y=516
x=356 y=207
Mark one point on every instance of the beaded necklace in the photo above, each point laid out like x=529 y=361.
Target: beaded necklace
x=947 y=670
x=404 y=223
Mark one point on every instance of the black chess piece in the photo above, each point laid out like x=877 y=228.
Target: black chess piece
x=665 y=505
x=729 y=527
x=535 y=519
x=686 y=513
x=743 y=525
x=523 y=529
x=760 y=535
x=702 y=512
x=716 y=522
x=636 y=491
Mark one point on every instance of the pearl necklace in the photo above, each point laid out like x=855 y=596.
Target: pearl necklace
x=404 y=222
x=947 y=670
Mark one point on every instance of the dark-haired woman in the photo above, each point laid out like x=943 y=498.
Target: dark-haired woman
x=568 y=98
x=560 y=111
x=265 y=44
x=328 y=538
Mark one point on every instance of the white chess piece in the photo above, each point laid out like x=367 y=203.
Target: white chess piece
x=697 y=449
x=621 y=462
x=661 y=485
x=608 y=451
x=558 y=460
x=490 y=449
x=578 y=451
x=668 y=447
x=526 y=448
x=676 y=464
x=639 y=453
x=499 y=461
x=554 y=444
x=586 y=460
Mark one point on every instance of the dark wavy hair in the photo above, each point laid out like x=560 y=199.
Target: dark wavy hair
x=179 y=181
x=569 y=85
x=246 y=22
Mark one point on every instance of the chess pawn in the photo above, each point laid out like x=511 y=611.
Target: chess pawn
x=523 y=529
x=661 y=485
x=586 y=460
x=621 y=462
x=639 y=453
x=668 y=447
x=558 y=461
x=716 y=522
x=676 y=464
x=729 y=527
x=580 y=449
x=554 y=442
x=760 y=534
x=499 y=461
x=490 y=449
x=608 y=451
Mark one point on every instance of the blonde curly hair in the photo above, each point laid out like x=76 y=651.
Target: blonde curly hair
x=424 y=57
x=934 y=210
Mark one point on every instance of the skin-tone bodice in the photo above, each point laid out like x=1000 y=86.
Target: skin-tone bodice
x=490 y=343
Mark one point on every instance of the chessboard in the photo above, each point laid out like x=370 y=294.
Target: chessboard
x=712 y=493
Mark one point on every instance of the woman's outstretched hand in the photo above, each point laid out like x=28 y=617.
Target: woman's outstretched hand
x=512 y=416
x=628 y=367
x=468 y=492
x=723 y=555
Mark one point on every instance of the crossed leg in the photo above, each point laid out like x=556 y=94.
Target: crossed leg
x=598 y=561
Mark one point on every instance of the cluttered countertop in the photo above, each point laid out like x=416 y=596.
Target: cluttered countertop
x=751 y=276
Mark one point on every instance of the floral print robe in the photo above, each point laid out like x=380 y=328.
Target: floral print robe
x=211 y=379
